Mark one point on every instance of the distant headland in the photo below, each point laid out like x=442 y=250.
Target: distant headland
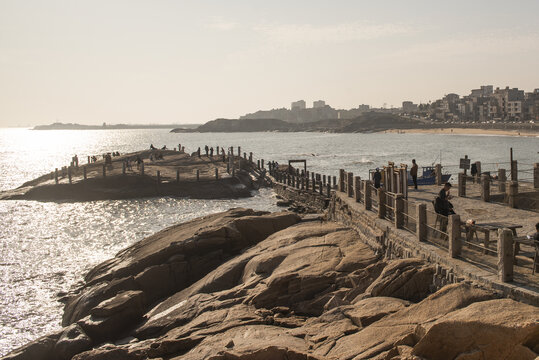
x=72 y=126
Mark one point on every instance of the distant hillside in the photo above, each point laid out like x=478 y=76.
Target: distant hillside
x=243 y=125
x=371 y=121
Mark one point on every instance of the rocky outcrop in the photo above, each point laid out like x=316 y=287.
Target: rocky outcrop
x=263 y=286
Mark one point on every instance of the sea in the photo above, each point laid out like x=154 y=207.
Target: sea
x=47 y=247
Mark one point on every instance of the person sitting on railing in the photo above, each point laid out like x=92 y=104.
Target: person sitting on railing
x=442 y=205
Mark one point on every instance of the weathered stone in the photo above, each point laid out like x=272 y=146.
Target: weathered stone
x=72 y=342
x=40 y=349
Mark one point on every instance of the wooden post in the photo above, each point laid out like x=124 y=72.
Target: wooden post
x=399 y=211
x=258 y=164
x=421 y=225
x=341 y=180
x=381 y=203
x=88 y=159
x=485 y=187
x=84 y=173
x=350 y=184
x=502 y=178
x=462 y=185
x=251 y=157
x=123 y=168
x=453 y=230
x=198 y=175
x=69 y=174
x=505 y=255
x=177 y=175
x=536 y=175
x=512 y=192
x=320 y=188
x=367 y=196
x=262 y=163
x=357 y=188
x=158 y=177
x=216 y=174
x=104 y=171
x=478 y=175
x=438 y=174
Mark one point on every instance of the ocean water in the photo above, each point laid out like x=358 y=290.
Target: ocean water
x=46 y=248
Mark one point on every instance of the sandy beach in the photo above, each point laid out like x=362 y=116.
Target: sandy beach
x=467 y=131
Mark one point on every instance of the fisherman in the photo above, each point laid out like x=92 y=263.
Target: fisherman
x=413 y=173
x=377 y=177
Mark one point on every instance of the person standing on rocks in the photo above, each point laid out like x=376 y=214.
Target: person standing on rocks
x=413 y=173
x=207 y=149
x=377 y=177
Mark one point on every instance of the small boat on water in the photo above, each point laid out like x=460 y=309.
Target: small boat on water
x=428 y=177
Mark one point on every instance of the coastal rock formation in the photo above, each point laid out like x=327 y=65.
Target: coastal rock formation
x=250 y=285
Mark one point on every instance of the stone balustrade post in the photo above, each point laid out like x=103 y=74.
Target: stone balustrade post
x=514 y=171
x=357 y=188
x=350 y=184
x=421 y=225
x=453 y=231
x=438 y=174
x=505 y=255
x=399 y=211
x=341 y=180
x=461 y=190
x=512 y=192
x=367 y=196
x=502 y=178
x=485 y=187
x=381 y=203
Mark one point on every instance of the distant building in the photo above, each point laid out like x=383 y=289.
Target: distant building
x=363 y=107
x=298 y=105
x=319 y=104
x=409 y=107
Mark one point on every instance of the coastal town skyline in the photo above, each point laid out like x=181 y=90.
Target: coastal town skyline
x=191 y=62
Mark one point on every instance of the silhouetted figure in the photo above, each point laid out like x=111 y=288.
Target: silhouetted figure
x=198 y=151
x=206 y=148
x=211 y=151
x=413 y=173
x=152 y=147
x=164 y=147
x=377 y=177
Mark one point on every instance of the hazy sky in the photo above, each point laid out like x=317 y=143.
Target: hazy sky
x=192 y=61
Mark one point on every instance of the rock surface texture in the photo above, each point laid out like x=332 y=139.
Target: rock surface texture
x=251 y=285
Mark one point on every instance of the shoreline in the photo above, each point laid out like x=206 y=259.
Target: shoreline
x=465 y=131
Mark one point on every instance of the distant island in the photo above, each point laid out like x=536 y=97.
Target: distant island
x=71 y=126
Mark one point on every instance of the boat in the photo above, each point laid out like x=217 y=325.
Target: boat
x=428 y=177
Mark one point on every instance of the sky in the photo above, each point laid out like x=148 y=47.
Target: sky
x=162 y=61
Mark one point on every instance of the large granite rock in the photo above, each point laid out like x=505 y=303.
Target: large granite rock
x=277 y=291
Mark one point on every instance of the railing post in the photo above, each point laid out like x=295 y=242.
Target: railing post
x=381 y=203
x=421 y=225
x=357 y=188
x=258 y=164
x=198 y=175
x=462 y=185
x=350 y=184
x=320 y=188
x=251 y=157
x=84 y=173
x=104 y=170
x=328 y=186
x=142 y=169
x=438 y=174
x=505 y=255
x=262 y=163
x=514 y=171
x=69 y=174
x=536 y=175
x=399 y=211
x=216 y=173
x=453 y=231
x=177 y=175
x=123 y=168
x=56 y=175
x=368 y=195
x=512 y=192
x=485 y=187
x=158 y=177
x=502 y=178
x=324 y=180
x=334 y=181
x=341 y=180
